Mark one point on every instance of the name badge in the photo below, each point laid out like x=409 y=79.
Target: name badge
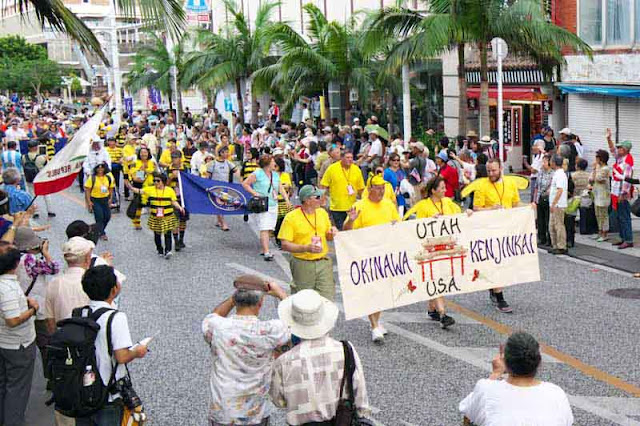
x=160 y=212
x=350 y=190
x=104 y=189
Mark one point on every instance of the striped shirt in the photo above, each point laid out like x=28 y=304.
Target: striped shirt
x=11 y=158
x=188 y=153
x=248 y=167
x=115 y=154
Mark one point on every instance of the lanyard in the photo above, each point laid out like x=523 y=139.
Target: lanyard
x=315 y=222
x=346 y=175
x=441 y=209
x=496 y=189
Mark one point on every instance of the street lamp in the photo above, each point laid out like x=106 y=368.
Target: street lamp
x=499 y=51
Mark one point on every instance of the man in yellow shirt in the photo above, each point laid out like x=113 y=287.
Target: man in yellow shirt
x=304 y=234
x=371 y=211
x=492 y=194
x=165 y=158
x=345 y=183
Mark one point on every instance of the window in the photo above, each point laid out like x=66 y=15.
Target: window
x=591 y=21
x=618 y=22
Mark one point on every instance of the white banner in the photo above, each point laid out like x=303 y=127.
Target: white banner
x=388 y=266
x=59 y=173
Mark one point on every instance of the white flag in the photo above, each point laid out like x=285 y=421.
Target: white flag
x=60 y=172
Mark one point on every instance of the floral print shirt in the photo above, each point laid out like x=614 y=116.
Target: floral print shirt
x=242 y=355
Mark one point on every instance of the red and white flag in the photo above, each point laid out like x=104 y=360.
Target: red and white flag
x=60 y=172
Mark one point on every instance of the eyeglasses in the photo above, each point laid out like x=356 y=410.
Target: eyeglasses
x=317 y=197
x=395 y=159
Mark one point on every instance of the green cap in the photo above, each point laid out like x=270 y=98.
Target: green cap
x=309 y=191
x=625 y=144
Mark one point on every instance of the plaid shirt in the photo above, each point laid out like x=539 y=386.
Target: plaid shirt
x=306 y=380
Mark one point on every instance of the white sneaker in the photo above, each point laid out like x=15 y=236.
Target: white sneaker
x=377 y=336
x=168 y=255
x=383 y=329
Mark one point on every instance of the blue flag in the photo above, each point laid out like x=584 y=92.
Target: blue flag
x=206 y=196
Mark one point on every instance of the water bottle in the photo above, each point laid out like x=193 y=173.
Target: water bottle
x=89 y=376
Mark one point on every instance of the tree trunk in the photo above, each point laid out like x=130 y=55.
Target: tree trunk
x=389 y=102
x=347 y=104
x=462 y=96
x=180 y=109
x=485 y=124
x=170 y=95
x=240 y=100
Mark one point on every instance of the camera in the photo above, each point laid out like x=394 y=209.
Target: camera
x=129 y=396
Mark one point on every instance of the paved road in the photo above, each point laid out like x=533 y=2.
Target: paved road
x=421 y=373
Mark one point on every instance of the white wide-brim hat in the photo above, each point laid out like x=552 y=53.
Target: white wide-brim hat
x=308 y=315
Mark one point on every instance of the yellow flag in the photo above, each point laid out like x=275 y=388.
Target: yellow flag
x=323 y=108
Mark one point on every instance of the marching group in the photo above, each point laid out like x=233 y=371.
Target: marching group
x=345 y=177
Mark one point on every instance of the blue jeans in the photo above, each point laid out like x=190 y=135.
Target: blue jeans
x=101 y=212
x=624 y=221
x=109 y=415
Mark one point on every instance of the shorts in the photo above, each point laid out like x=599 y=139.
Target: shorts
x=267 y=220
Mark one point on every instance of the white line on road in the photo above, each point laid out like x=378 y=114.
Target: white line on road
x=610 y=409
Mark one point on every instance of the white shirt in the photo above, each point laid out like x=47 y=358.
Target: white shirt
x=498 y=403
x=196 y=161
x=376 y=148
x=15 y=135
x=559 y=181
x=12 y=304
x=94 y=158
x=536 y=164
x=120 y=339
x=64 y=294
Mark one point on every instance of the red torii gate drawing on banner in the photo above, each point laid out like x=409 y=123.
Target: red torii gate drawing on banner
x=430 y=262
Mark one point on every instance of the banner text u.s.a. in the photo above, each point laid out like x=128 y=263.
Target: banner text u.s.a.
x=393 y=265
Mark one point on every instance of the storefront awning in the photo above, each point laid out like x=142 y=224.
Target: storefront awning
x=620 y=91
x=510 y=93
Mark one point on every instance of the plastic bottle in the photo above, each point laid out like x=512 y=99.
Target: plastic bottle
x=89 y=376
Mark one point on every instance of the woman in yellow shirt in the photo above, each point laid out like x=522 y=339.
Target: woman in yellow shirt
x=141 y=173
x=435 y=204
x=128 y=161
x=283 y=207
x=98 y=192
x=162 y=201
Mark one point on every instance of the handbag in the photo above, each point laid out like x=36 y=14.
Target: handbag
x=635 y=207
x=260 y=204
x=134 y=206
x=347 y=413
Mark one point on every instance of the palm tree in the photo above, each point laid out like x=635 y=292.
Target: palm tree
x=234 y=54
x=167 y=14
x=455 y=23
x=152 y=67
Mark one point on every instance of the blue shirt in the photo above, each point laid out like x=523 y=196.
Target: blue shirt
x=11 y=157
x=262 y=184
x=394 y=178
x=19 y=200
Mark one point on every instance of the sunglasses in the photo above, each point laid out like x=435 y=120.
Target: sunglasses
x=157 y=180
x=317 y=197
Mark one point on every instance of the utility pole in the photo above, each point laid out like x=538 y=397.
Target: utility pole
x=115 y=62
x=406 y=103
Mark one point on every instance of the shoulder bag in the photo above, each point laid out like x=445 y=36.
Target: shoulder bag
x=347 y=413
x=260 y=204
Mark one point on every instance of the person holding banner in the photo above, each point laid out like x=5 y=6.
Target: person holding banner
x=162 y=220
x=435 y=204
x=493 y=193
x=304 y=233
x=177 y=165
x=141 y=173
x=371 y=211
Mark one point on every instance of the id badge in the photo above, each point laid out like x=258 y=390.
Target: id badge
x=350 y=190
x=160 y=212
x=140 y=175
x=316 y=241
x=104 y=189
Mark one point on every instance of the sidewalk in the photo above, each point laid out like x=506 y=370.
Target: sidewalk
x=607 y=254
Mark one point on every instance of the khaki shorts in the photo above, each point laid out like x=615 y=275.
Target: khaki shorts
x=313 y=274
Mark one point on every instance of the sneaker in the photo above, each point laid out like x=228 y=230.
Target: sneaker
x=178 y=248
x=595 y=237
x=383 y=329
x=446 y=321
x=268 y=257
x=377 y=336
x=51 y=214
x=181 y=244
x=138 y=228
x=246 y=218
x=504 y=307
x=160 y=254
x=35 y=216
x=625 y=245
x=168 y=255
x=559 y=251
x=433 y=315
x=493 y=297
x=617 y=243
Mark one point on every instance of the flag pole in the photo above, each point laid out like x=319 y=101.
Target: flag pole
x=31 y=203
x=180 y=186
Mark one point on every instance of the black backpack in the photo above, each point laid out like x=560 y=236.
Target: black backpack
x=30 y=168
x=71 y=351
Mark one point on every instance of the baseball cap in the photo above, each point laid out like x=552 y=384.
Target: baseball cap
x=443 y=156
x=624 y=144
x=418 y=145
x=377 y=180
x=77 y=247
x=565 y=131
x=309 y=191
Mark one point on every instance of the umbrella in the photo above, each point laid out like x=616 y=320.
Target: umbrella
x=378 y=129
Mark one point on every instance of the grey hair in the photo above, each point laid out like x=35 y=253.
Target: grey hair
x=464 y=153
x=11 y=176
x=558 y=160
x=247 y=298
x=564 y=150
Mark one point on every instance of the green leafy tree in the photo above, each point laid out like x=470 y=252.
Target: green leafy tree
x=165 y=14
x=455 y=23
x=76 y=86
x=234 y=54
x=34 y=77
x=16 y=49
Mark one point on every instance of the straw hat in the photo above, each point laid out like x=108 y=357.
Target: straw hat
x=308 y=314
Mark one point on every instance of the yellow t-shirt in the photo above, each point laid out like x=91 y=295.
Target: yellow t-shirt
x=428 y=208
x=501 y=193
x=137 y=171
x=128 y=151
x=389 y=194
x=159 y=198
x=102 y=185
x=338 y=180
x=298 y=229
x=115 y=154
x=165 y=157
x=372 y=214
x=232 y=150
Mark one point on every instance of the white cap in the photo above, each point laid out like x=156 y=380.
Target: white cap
x=77 y=247
x=565 y=131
